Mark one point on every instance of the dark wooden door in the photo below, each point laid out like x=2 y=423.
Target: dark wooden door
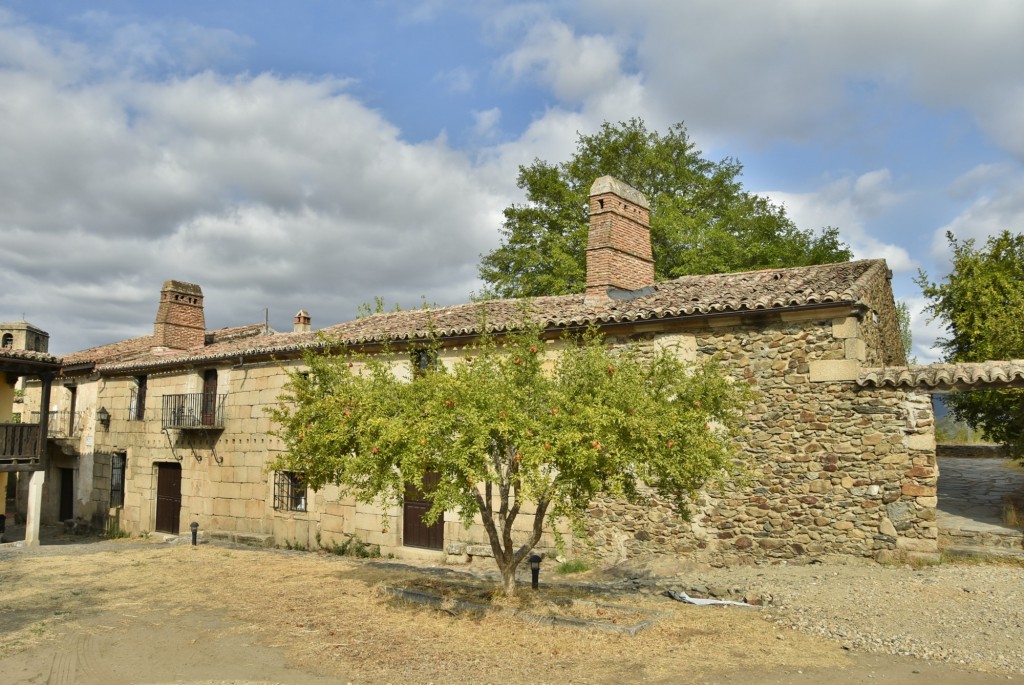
x=71 y=410
x=168 y=497
x=210 y=397
x=415 y=533
x=67 y=494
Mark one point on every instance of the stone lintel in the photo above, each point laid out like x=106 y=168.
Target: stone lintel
x=845 y=327
x=921 y=441
x=824 y=370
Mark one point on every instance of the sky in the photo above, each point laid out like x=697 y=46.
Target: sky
x=317 y=154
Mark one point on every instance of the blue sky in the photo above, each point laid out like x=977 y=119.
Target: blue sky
x=318 y=154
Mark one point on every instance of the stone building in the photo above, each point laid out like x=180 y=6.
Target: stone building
x=23 y=436
x=175 y=427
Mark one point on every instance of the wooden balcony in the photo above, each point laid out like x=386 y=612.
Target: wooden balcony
x=196 y=410
x=19 y=446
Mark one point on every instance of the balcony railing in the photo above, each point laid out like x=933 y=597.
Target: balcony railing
x=193 y=410
x=19 y=444
x=62 y=424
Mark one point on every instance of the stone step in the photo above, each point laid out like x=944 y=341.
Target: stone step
x=979 y=552
x=990 y=538
x=251 y=539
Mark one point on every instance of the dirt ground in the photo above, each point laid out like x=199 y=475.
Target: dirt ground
x=122 y=612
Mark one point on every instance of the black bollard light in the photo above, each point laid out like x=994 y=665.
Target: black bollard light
x=535 y=569
x=195 y=532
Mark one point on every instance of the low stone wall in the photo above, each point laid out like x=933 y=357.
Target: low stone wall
x=971 y=451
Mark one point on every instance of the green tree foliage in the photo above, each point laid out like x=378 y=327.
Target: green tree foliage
x=982 y=304
x=511 y=425
x=906 y=335
x=702 y=221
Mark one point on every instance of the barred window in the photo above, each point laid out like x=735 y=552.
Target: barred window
x=137 y=410
x=422 y=360
x=118 y=461
x=289 y=491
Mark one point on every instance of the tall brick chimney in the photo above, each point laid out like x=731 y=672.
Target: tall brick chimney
x=619 y=243
x=180 y=322
x=302 y=322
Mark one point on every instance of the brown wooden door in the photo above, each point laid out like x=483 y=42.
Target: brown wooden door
x=210 y=397
x=415 y=533
x=168 y=497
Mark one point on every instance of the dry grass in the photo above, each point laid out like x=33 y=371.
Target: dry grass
x=325 y=613
x=1013 y=511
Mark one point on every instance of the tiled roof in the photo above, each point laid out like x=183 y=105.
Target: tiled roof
x=28 y=355
x=141 y=351
x=946 y=376
x=749 y=291
x=114 y=352
x=754 y=291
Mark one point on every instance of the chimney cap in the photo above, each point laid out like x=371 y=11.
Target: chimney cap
x=610 y=184
x=302 y=313
x=182 y=287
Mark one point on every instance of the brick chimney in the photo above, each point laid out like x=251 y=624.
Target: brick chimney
x=302 y=322
x=180 y=322
x=619 y=243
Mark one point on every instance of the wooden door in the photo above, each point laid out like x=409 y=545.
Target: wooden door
x=210 y=397
x=71 y=410
x=67 y=494
x=415 y=533
x=168 y=498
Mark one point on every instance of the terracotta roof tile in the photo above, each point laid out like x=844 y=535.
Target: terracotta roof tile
x=28 y=355
x=946 y=376
x=119 y=351
x=687 y=296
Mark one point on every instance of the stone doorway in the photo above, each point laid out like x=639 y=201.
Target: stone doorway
x=973 y=485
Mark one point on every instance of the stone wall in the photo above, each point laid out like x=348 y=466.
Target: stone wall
x=831 y=468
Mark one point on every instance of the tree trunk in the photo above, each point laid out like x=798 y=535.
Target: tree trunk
x=508 y=579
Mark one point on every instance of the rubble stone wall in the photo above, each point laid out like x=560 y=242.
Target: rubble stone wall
x=830 y=468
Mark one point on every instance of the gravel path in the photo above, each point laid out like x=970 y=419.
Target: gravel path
x=965 y=614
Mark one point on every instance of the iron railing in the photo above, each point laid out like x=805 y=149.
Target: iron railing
x=62 y=424
x=193 y=410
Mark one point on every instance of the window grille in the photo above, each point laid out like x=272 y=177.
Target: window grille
x=118 y=461
x=289 y=491
x=137 y=409
x=423 y=360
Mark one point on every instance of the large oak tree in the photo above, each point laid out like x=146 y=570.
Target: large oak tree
x=702 y=220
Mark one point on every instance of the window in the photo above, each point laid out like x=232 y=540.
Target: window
x=423 y=360
x=8 y=341
x=289 y=491
x=118 y=461
x=137 y=409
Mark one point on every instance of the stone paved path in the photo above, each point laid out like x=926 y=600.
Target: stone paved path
x=971 y=494
x=971 y=491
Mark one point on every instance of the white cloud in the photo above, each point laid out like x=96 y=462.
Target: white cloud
x=847 y=203
x=485 y=124
x=809 y=69
x=267 y=191
x=458 y=80
x=573 y=67
x=923 y=332
x=996 y=196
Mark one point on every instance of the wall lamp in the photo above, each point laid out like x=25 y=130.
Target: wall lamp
x=103 y=416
